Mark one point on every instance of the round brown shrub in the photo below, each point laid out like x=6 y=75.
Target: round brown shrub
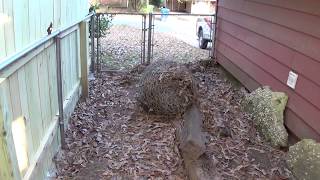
x=166 y=88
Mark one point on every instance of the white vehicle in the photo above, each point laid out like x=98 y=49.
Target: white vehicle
x=205 y=31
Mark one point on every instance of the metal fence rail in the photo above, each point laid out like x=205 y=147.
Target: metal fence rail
x=147 y=40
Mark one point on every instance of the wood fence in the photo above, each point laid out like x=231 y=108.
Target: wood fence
x=29 y=106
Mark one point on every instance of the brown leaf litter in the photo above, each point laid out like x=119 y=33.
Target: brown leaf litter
x=111 y=137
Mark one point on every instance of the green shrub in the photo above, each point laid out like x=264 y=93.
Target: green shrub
x=147 y=9
x=105 y=23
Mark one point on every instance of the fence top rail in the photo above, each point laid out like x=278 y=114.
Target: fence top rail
x=121 y=13
x=22 y=53
x=184 y=14
x=155 y=14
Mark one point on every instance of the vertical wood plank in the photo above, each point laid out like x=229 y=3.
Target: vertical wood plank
x=73 y=59
x=6 y=110
x=43 y=12
x=57 y=14
x=15 y=95
x=44 y=89
x=18 y=124
x=69 y=11
x=6 y=170
x=50 y=7
x=63 y=66
x=9 y=27
x=32 y=20
x=31 y=70
x=68 y=66
x=63 y=16
x=21 y=23
x=37 y=17
x=2 y=39
x=84 y=58
x=53 y=80
x=25 y=110
x=78 y=55
x=46 y=11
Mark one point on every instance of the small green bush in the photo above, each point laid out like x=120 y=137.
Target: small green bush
x=147 y=9
x=105 y=23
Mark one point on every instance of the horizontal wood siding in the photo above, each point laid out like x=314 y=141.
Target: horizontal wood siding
x=261 y=41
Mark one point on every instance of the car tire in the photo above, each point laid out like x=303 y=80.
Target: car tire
x=203 y=43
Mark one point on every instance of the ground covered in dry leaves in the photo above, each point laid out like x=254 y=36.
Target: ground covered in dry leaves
x=111 y=137
x=121 y=48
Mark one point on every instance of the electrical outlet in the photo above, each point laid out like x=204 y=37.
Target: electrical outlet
x=292 y=79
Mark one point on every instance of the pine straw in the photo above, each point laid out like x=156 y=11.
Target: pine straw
x=111 y=137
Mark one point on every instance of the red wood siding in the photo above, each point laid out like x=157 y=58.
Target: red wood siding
x=261 y=41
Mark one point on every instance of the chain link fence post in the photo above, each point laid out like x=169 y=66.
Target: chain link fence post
x=149 y=39
x=92 y=36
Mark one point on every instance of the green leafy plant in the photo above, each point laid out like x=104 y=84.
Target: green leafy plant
x=94 y=7
x=147 y=8
x=104 y=25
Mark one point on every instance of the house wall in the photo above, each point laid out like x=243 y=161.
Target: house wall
x=260 y=41
x=29 y=130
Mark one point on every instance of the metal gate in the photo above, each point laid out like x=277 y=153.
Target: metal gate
x=147 y=43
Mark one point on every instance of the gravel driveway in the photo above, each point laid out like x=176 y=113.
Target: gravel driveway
x=121 y=48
